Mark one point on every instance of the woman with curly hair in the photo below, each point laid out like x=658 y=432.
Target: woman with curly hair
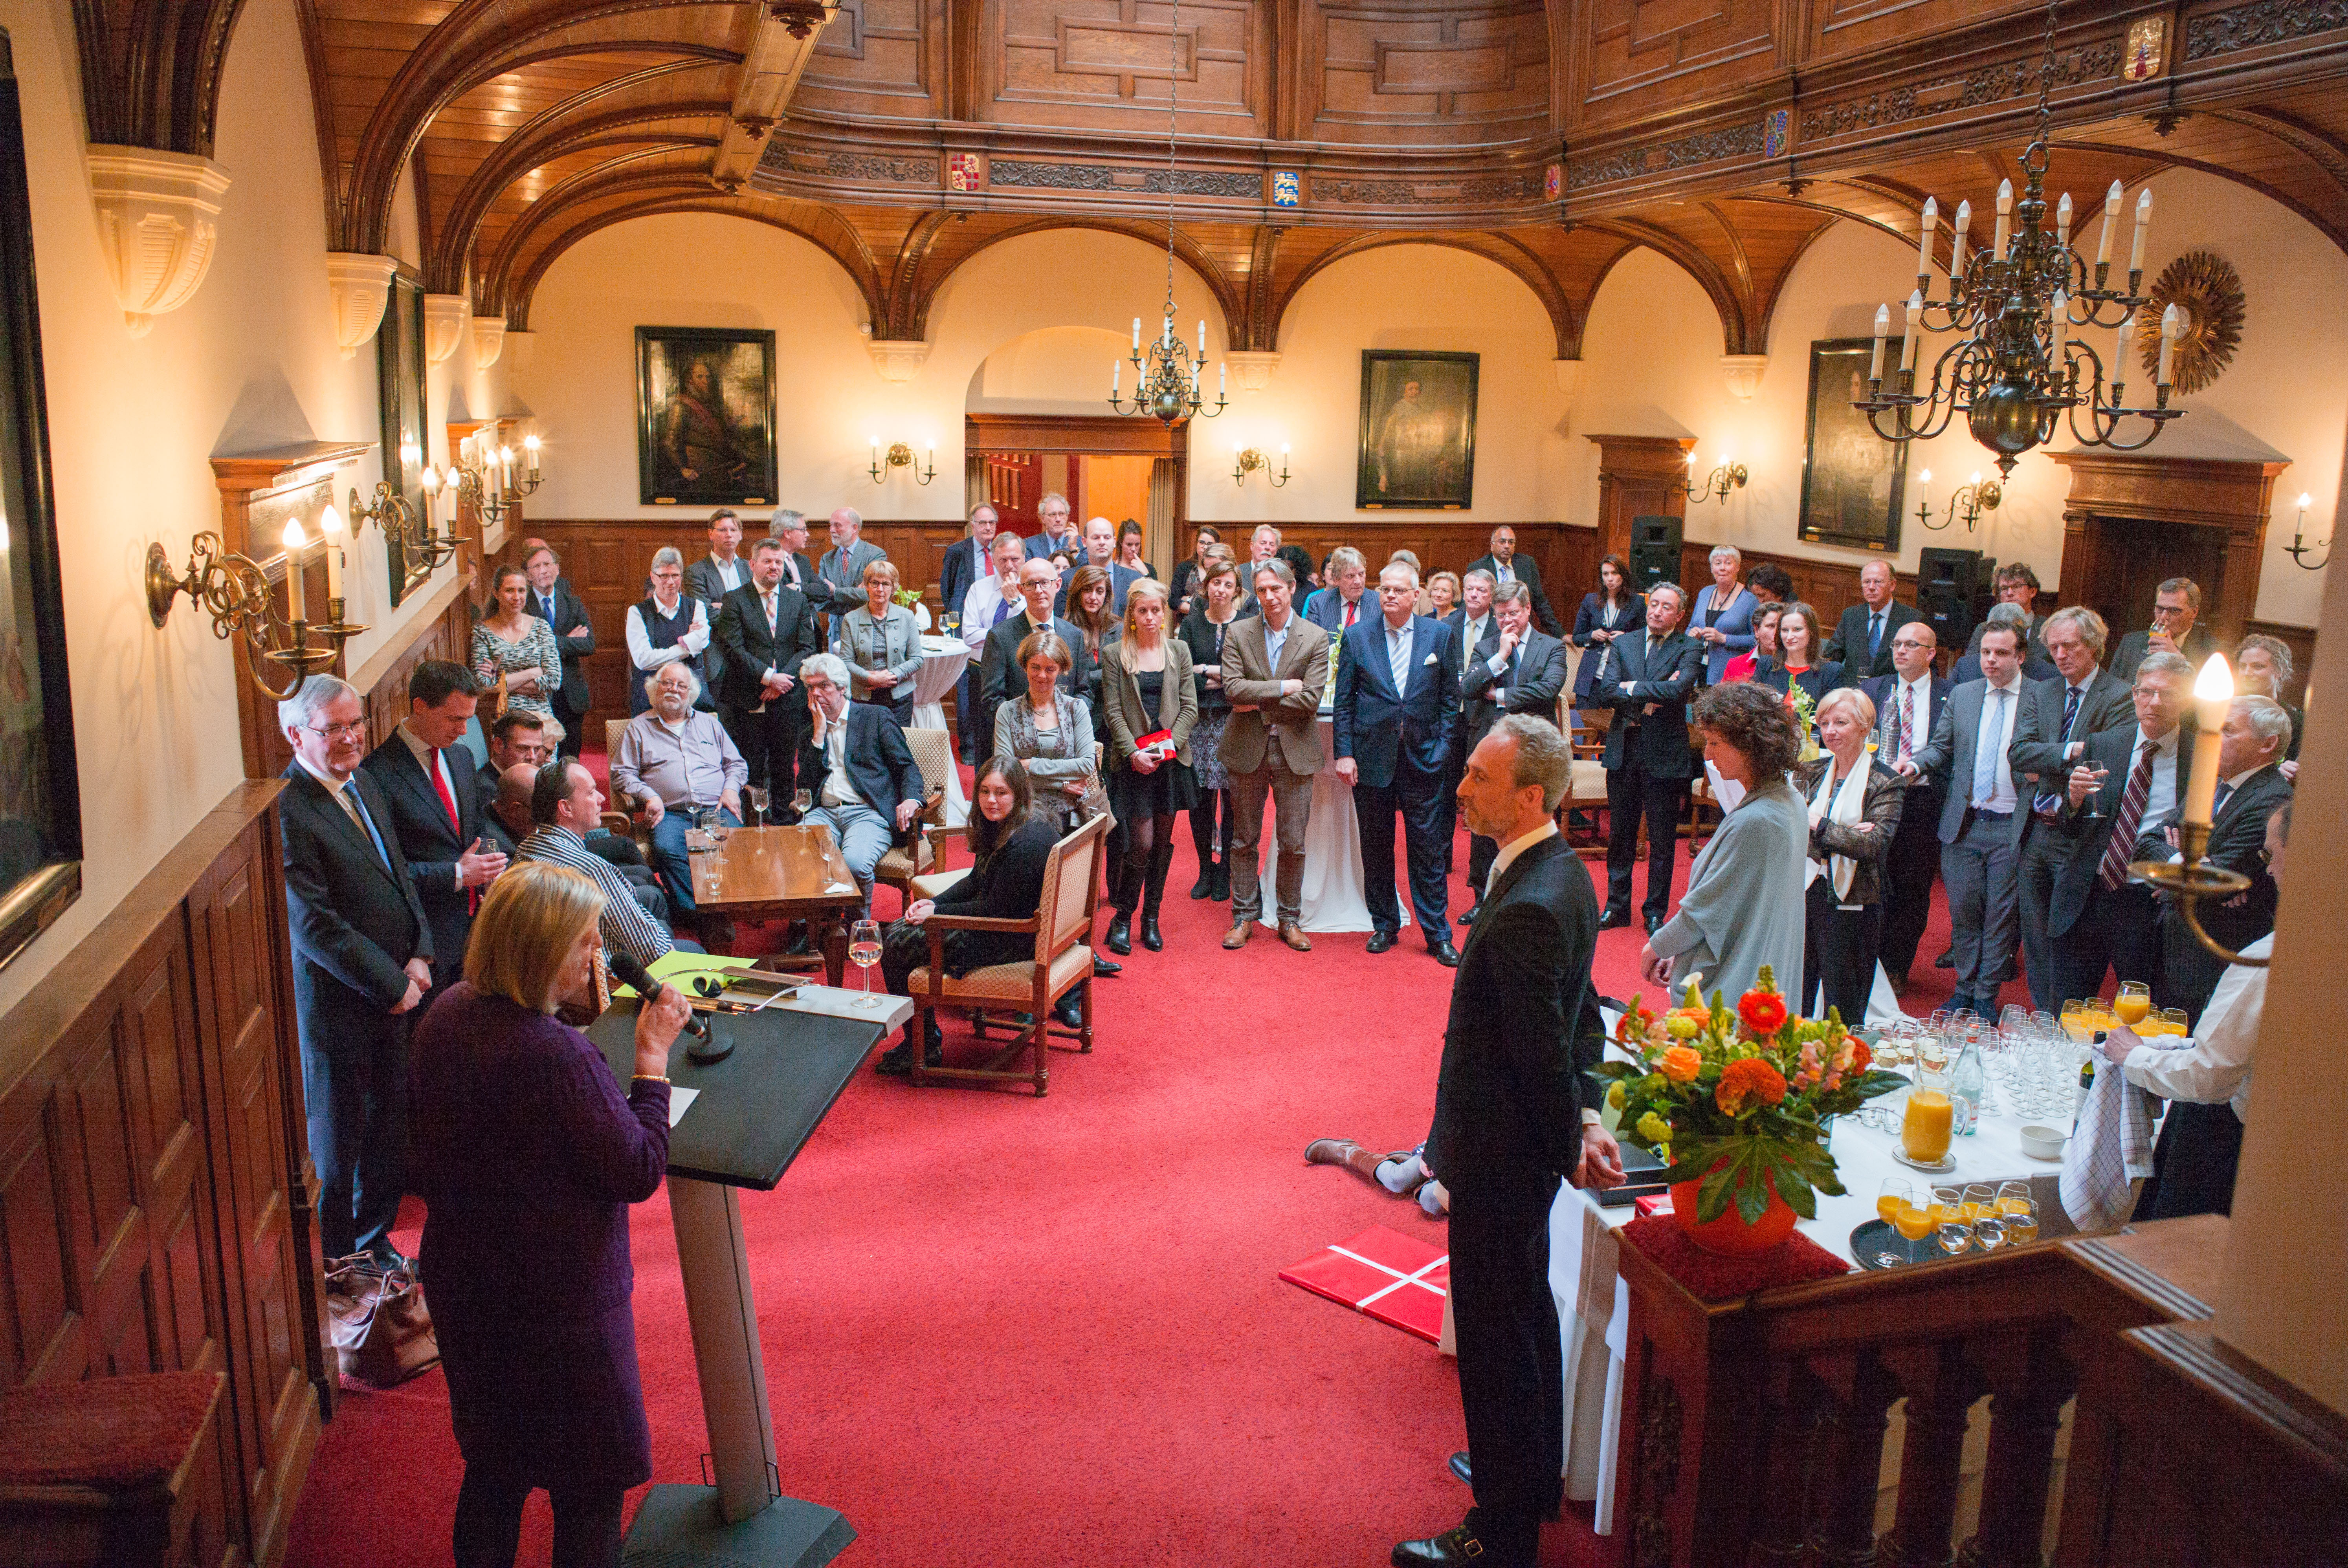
x=1744 y=907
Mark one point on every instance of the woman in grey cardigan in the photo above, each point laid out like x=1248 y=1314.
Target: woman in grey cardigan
x=1744 y=904
x=1051 y=733
x=881 y=645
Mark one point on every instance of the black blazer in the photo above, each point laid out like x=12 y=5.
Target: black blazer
x=1926 y=789
x=1817 y=680
x=354 y=921
x=2238 y=841
x=1008 y=886
x=1540 y=681
x=2038 y=743
x=1381 y=728
x=1666 y=674
x=1848 y=646
x=1529 y=574
x=430 y=843
x=999 y=675
x=750 y=650
x=1197 y=634
x=956 y=575
x=880 y=764
x=2089 y=835
x=1507 y=1101
x=573 y=698
x=2200 y=643
x=1596 y=616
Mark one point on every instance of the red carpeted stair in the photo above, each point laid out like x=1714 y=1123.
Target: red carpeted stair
x=1007 y=1331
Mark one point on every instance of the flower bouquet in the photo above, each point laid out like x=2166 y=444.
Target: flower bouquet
x=911 y=598
x=1733 y=1099
x=1805 y=709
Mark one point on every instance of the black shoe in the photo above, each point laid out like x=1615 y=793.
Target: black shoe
x=1104 y=968
x=1654 y=924
x=1068 y=1012
x=1120 y=935
x=1444 y=953
x=1381 y=941
x=1459 y=1468
x=1467 y=916
x=1204 y=887
x=1458 y=1545
x=1222 y=892
x=1149 y=936
x=1947 y=961
x=1612 y=919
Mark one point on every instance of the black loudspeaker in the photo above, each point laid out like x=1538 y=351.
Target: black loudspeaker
x=1654 y=551
x=1952 y=590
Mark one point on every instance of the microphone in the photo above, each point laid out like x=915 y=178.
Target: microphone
x=708 y=1045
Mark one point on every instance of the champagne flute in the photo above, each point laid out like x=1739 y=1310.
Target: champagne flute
x=758 y=802
x=1913 y=1223
x=864 y=951
x=802 y=802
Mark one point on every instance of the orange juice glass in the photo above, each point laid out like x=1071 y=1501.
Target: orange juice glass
x=1924 y=1130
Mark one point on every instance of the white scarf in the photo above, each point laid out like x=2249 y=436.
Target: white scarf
x=1847 y=805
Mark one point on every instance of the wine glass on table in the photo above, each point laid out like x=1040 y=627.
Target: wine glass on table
x=864 y=952
x=758 y=802
x=802 y=802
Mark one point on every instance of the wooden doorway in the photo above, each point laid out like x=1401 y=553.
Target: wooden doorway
x=1106 y=467
x=2131 y=521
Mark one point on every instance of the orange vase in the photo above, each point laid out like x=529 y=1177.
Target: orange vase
x=1729 y=1235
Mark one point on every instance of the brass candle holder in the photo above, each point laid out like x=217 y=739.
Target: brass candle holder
x=234 y=590
x=2192 y=879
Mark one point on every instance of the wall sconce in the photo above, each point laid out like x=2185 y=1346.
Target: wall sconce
x=234 y=590
x=1246 y=460
x=899 y=456
x=1976 y=497
x=484 y=475
x=417 y=537
x=2192 y=879
x=2299 y=549
x=1726 y=477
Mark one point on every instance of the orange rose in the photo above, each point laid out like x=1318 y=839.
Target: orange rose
x=1860 y=1056
x=1679 y=1063
x=1749 y=1080
x=1763 y=1012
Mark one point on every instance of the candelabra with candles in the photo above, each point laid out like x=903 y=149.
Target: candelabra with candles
x=900 y=456
x=234 y=590
x=2017 y=369
x=1727 y=476
x=2299 y=549
x=1246 y=460
x=2190 y=878
x=1968 y=501
x=484 y=476
x=1167 y=384
x=418 y=540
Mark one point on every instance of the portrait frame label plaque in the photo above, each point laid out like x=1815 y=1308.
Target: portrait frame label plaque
x=705 y=416
x=1853 y=480
x=40 y=782
x=1417 y=431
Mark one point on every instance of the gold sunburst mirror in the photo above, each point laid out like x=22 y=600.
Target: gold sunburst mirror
x=2206 y=287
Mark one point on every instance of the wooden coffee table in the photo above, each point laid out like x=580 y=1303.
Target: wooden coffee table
x=782 y=873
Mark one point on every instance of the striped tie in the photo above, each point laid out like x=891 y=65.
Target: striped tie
x=2116 y=854
x=1906 y=713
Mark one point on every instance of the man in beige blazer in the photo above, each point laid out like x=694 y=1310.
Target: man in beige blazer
x=1275 y=668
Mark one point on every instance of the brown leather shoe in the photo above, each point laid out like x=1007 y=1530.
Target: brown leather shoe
x=1237 y=936
x=1293 y=935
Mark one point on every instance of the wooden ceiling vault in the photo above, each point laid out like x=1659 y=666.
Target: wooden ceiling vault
x=903 y=137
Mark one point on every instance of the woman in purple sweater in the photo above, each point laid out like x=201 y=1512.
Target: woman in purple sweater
x=528 y=1157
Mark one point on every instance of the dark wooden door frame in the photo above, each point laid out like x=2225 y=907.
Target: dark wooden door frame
x=2108 y=487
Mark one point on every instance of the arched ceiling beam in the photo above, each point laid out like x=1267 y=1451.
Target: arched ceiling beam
x=587 y=184
x=1496 y=248
x=2328 y=225
x=1736 y=331
x=1192 y=254
x=151 y=70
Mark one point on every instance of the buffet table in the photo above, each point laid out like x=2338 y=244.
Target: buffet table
x=1332 y=899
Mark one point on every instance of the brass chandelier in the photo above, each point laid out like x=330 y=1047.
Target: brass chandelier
x=2016 y=369
x=1168 y=382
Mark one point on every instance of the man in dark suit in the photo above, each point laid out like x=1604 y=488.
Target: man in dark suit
x=552 y=601
x=1863 y=641
x=362 y=963
x=1907 y=703
x=1506 y=566
x=1509 y=1126
x=1054 y=532
x=436 y=812
x=1000 y=678
x=1651 y=680
x=856 y=764
x=840 y=575
x=710 y=579
x=2035 y=665
x=2123 y=796
x=1345 y=603
x=967 y=560
x=2058 y=715
x=2176 y=628
x=766 y=630
x=1985 y=816
x=2251 y=788
x=1398 y=701
x=1517 y=670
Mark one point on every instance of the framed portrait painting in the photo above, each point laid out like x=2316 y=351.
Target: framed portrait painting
x=399 y=372
x=1852 y=479
x=40 y=786
x=705 y=416
x=1418 y=430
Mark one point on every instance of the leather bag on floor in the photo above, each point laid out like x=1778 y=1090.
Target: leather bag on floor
x=382 y=1333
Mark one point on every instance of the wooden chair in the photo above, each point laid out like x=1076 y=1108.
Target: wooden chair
x=1579 y=816
x=1062 y=961
x=618 y=818
x=933 y=753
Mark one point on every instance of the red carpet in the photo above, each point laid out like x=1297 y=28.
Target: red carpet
x=1000 y=1330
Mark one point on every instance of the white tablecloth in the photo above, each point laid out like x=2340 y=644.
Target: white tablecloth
x=942 y=658
x=1332 y=899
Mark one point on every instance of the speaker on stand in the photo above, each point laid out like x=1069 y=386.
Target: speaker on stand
x=1654 y=551
x=1954 y=591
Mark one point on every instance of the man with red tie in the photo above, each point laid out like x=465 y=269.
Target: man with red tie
x=1345 y=603
x=431 y=784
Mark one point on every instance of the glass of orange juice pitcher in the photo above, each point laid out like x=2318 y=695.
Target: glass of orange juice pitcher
x=1926 y=1124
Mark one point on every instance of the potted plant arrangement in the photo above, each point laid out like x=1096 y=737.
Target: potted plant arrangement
x=1736 y=1100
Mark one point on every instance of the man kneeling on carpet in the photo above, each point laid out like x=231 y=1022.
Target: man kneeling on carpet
x=1010 y=845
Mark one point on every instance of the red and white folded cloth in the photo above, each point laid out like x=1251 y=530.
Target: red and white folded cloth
x=1159 y=743
x=2111 y=1146
x=1382 y=1273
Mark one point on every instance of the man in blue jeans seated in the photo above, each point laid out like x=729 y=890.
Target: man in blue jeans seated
x=855 y=764
x=675 y=762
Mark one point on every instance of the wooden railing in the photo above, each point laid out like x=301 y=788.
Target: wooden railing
x=1755 y=1430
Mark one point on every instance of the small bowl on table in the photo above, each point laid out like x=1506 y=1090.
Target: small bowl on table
x=2041 y=1142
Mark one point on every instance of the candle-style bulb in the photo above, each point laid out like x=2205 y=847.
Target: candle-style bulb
x=296 y=543
x=2305 y=500
x=1957 y=232
x=1882 y=329
x=2004 y=218
x=2062 y=220
x=2143 y=223
x=1924 y=235
x=431 y=481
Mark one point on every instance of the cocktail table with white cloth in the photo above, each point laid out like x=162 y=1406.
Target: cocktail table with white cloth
x=1333 y=897
x=943 y=660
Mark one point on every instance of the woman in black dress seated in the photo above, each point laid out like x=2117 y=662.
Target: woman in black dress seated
x=527 y=1156
x=1009 y=845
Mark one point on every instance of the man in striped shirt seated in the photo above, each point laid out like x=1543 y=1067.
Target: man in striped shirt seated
x=564 y=803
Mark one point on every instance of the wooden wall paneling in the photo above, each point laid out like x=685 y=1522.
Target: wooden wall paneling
x=2114 y=496
x=1639 y=57
x=1096 y=65
x=880 y=57
x=1472 y=71
x=1638 y=476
